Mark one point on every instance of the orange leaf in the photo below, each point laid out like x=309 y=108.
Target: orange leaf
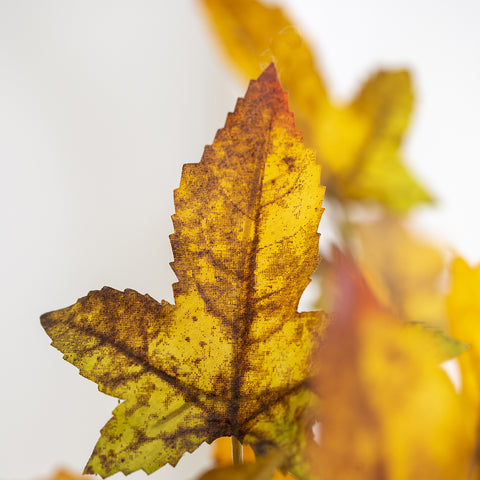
x=63 y=474
x=388 y=410
x=463 y=304
x=223 y=456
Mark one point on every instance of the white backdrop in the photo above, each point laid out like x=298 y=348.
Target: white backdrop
x=101 y=102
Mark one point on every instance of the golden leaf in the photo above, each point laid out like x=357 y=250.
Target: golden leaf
x=388 y=409
x=223 y=456
x=404 y=270
x=222 y=452
x=263 y=469
x=358 y=143
x=231 y=356
x=463 y=305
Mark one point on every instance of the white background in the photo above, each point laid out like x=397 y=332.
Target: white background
x=101 y=102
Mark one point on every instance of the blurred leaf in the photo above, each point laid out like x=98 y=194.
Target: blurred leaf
x=255 y=34
x=358 y=143
x=63 y=474
x=404 y=270
x=443 y=346
x=463 y=304
x=388 y=410
x=223 y=456
x=222 y=452
x=263 y=469
x=231 y=356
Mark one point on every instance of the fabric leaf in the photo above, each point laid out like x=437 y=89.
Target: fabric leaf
x=231 y=356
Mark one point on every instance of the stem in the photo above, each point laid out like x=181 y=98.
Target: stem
x=237 y=451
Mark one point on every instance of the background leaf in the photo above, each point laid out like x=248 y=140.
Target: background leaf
x=262 y=469
x=388 y=409
x=358 y=143
x=463 y=304
x=223 y=456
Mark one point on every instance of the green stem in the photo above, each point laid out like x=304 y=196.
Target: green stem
x=237 y=451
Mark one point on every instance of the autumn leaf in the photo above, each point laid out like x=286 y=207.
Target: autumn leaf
x=222 y=448
x=388 y=411
x=463 y=304
x=403 y=273
x=262 y=469
x=404 y=270
x=231 y=356
x=222 y=452
x=357 y=142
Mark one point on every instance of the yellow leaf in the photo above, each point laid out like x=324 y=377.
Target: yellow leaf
x=231 y=356
x=263 y=469
x=358 y=142
x=463 y=304
x=404 y=270
x=222 y=452
x=363 y=148
x=255 y=34
x=223 y=456
x=388 y=410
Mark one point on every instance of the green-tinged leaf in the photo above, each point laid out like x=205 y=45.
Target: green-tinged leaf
x=443 y=346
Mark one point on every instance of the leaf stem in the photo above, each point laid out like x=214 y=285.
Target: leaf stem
x=237 y=451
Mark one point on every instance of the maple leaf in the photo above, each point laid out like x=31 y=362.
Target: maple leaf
x=358 y=143
x=388 y=409
x=230 y=357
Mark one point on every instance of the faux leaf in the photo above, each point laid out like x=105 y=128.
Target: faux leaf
x=230 y=357
x=223 y=456
x=358 y=143
x=262 y=469
x=388 y=411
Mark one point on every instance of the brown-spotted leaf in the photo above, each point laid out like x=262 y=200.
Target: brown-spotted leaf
x=231 y=356
x=357 y=142
x=388 y=411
